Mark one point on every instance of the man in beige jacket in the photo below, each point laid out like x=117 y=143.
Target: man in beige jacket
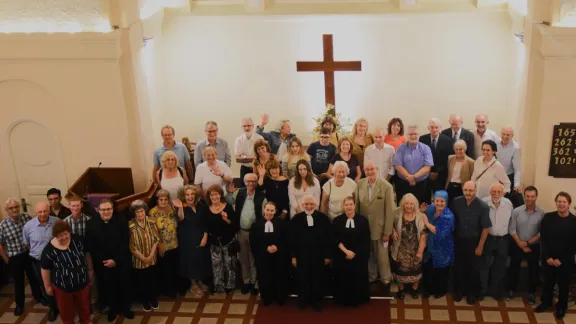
x=375 y=200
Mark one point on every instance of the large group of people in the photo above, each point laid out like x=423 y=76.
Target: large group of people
x=388 y=205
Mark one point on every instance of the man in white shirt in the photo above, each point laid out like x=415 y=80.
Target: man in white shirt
x=496 y=248
x=482 y=133
x=509 y=156
x=244 y=147
x=381 y=154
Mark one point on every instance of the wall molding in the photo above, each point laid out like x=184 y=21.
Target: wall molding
x=60 y=46
x=557 y=42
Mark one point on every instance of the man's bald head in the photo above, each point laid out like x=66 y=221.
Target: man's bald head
x=42 y=212
x=469 y=190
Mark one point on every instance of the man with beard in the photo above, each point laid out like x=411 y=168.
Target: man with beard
x=244 y=147
x=310 y=249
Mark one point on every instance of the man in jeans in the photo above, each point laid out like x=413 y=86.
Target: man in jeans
x=36 y=234
x=525 y=243
x=15 y=254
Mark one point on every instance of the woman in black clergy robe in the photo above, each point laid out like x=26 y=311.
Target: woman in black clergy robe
x=268 y=245
x=352 y=234
x=311 y=247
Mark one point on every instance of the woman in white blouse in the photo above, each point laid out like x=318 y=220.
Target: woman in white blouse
x=304 y=183
x=336 y=189
x=171 y=177
x=488 y=171
x=213 y=171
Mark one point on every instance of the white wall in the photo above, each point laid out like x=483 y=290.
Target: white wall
x=413 y=66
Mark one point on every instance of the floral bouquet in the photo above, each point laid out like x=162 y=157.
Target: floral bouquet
x=342 y=125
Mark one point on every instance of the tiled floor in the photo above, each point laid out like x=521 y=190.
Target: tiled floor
x=239 y=309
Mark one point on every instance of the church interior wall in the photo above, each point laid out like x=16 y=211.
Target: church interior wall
x=413 y=66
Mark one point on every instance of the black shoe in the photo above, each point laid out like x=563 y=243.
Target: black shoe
x=481 y=296
x=542 y=308
x=229 y=291
x=129 y=314
x=254 y=292
x=438 y=296
x=318 y=307
x=531 y=299
x=497 y=297
x=560 y=313
x=457 y=298
x=146 y=307
x=42 y=301
x=426 y=294
x=510 y=295
x=112 y=316
x=400 y=294
x=18 y=310
x=280 y=302
x=52 y=315
x=154 y=304
x=471 y=300
x=246 y=289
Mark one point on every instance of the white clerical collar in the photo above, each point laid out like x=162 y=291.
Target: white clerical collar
x=268 y=227
x=310 y=219
x=350 y=223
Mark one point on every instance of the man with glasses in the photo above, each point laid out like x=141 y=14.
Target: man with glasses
x=14 y=252
x=321 y=154
x=107 y=241
x=169 y=144
x=413 y=162
x=36 y=234
x=212 y=139
x=249 y=204
x=244 y=147
x=55 y=200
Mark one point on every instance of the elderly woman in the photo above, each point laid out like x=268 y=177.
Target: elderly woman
x=360 y=139
x=269 y=245
x=439 y=254
x=336 y=189
x=409 y=235
x=460 y=169
x=263 y=155
x=488 y=171
x=344 y=154
x=395 y=136
x=195 y=264
x=165 y=219
x=144 y=241
x=276 y=186
x=303 y=184
x=213 y=171
x=294 y=154
x=223 y=223
x=67 y=273
x=171 y=177
x=352 y=235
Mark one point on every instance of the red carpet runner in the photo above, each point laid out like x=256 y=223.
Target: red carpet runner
x=375 y=312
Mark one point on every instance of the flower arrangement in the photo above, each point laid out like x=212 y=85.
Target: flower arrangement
x=341 y=124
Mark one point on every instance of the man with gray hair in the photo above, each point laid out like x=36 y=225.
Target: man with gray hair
x=14 y=252
x=509 y=157
x=381 y=154
x=212 y=139
x=278 y=137
x=244 y=146
x=482 y=133
x=249 y=204
x=169 y=144
x=456 y=132
x=496 y=249
x=441 y=146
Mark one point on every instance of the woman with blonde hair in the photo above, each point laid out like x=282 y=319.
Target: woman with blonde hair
x=294 y=154
x=360 y=139
x=409 y=235
x=194 y=261
x=170 y=176
x=344 y=154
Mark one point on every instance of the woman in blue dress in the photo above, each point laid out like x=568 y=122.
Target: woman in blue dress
x=439 y=245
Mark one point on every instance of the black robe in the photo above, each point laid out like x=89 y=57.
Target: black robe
x=271 y=267
x=352 y=286
x=310 y=245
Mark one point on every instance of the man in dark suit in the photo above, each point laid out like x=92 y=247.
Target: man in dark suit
x=456 y=132
x=441 y=146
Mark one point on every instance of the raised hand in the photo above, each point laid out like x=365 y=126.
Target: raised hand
x=216 y=170
x=423 y=207
x=177 y=203
x=261 y=170
x=265 y=120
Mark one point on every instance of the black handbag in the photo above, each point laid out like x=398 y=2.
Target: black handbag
x=234 y=247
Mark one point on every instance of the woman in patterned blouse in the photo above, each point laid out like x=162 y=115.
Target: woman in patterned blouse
x=144 y=241
x=165 y=219
x=439 y=245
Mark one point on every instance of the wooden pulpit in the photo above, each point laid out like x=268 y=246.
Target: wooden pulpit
x=116 y=184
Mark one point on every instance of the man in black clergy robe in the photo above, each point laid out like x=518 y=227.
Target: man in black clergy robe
x=311 y=250
x=107 y=241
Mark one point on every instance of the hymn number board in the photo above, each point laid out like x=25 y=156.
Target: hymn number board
x=563 y=154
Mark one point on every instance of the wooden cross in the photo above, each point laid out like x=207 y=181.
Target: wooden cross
x=328 y=66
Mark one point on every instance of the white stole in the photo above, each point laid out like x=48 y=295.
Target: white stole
x=268 y=227
x=310 y=220
x=350 y=223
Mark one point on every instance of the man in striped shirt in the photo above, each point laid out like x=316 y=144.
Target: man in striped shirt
x=77 y=220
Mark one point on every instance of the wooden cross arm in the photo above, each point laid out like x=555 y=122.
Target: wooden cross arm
x=329 y=66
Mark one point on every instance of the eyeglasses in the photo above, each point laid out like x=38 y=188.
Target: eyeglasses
x=325 y=137
x=211 y=131
x=250 y=181
x=13 y=208
x=247 y=126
